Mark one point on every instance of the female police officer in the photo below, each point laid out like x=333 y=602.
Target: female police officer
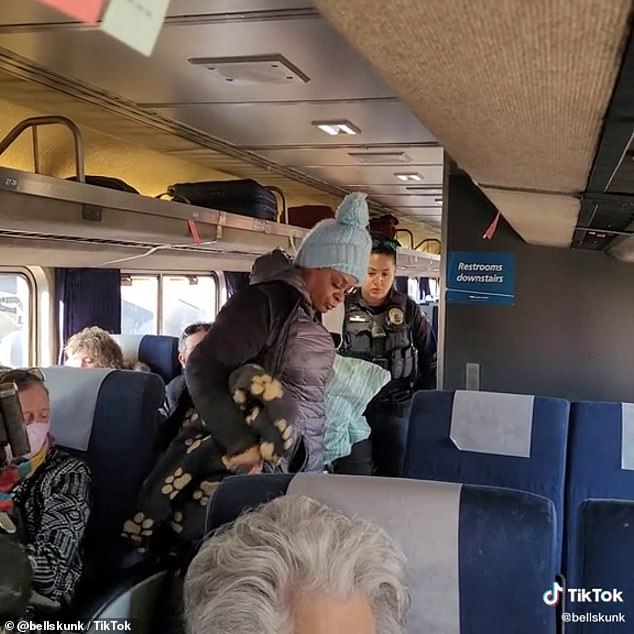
x=387 y=327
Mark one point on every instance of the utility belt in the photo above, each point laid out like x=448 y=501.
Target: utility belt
x=381 y=362
x=396 y=401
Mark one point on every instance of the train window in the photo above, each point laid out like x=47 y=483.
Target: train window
x=16 y=295
x=412 y=288
x=187 y=299
x=415 y=289
x=139 y=304
x=167 y=303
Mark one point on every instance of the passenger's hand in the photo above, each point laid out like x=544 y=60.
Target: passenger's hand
x=249 y=461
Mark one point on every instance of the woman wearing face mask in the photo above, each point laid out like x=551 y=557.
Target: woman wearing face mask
x=49 y=501
x=386 y=327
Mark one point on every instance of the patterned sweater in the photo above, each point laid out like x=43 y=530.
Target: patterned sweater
x=54 y=505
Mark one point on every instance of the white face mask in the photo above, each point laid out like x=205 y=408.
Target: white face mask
x=37 y=433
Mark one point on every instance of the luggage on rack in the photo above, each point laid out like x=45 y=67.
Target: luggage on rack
x=307 y=216
x=244 y=197
x=384 y=226
x=108 y=182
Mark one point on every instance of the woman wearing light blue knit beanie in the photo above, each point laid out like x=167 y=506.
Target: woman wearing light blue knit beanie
x=342 y=244
x=275 y=323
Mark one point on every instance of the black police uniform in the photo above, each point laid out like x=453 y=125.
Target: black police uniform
x=399 y=338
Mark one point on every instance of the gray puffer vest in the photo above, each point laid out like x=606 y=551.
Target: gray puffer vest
x=306 y=364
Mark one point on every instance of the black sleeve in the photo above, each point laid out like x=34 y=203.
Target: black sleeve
x=173 y=392
x=241 y=331
x=425 y=342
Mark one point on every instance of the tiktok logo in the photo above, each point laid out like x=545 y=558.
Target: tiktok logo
x=582 y=595
x=551 y=597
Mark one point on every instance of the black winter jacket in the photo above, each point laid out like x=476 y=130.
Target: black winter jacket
x=248 y=329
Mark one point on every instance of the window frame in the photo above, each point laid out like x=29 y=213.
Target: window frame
x=34 y=320
x=159 y=298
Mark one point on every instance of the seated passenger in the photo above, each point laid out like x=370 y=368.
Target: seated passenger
x=93 y=348
x=49 y=500
x=275 y=324
x=189 y=339
x=295 y=566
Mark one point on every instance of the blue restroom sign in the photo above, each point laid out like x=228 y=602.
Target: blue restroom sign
x=481 y=277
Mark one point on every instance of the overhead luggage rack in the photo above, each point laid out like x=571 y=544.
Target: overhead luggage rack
x=71 y=209
x=35 y=204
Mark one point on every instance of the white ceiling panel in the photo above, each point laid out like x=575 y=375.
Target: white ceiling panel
x=251 y=125
x=335 y=71
x=319 y=156
x=354 y=176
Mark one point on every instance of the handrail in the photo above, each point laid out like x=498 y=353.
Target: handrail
x=420 y=244
x=282 y=216
x=34 y=123
x=411 y=236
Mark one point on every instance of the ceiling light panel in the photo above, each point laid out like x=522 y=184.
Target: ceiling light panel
x=409 y=177
x=336 y=128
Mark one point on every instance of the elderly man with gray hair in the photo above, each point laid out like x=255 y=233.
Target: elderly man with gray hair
x=295 y=566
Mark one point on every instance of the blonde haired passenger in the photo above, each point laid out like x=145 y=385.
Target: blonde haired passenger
x=93 y=348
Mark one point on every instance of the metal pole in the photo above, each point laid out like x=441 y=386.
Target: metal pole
x=33 y=122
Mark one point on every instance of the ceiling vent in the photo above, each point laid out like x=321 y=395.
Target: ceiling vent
x=380 y=158
x=260 y=69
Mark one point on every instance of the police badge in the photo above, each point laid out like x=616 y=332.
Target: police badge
x=395 y=317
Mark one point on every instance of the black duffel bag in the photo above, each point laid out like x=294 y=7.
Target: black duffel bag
x=244 y=197
x=108 y=182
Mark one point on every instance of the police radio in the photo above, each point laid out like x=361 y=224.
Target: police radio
x=12 y=429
